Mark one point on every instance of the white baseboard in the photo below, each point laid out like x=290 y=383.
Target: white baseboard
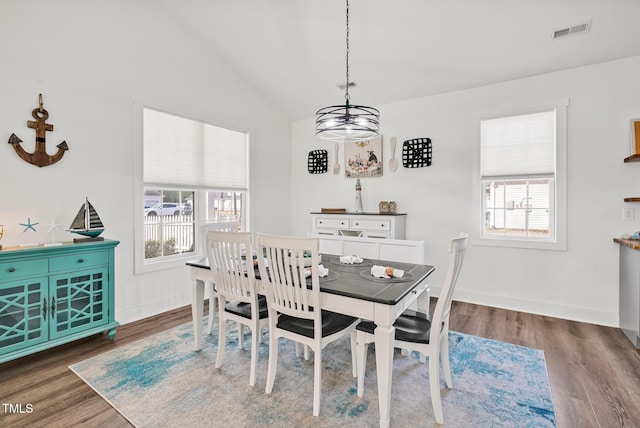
x=153 y=307
x=551 y=309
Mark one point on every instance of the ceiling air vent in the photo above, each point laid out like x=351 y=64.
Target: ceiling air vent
x=571 y=31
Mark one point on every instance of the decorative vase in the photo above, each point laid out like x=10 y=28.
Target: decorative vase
x=392 y=207
x=383 y=206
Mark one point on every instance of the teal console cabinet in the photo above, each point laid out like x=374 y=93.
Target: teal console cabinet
x=54 y=295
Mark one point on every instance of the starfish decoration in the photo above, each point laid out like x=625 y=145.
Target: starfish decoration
x=53 y=227
x=29 y=225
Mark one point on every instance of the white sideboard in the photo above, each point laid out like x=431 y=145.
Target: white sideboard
x=365 y=225
x=398 y=250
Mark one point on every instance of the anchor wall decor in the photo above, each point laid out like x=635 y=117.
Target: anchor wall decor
x=39 y=157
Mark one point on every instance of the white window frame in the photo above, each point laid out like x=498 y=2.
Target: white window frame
x=142 y=265
x=558 y=216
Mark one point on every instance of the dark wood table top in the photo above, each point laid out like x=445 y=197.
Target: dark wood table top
x=355 y=280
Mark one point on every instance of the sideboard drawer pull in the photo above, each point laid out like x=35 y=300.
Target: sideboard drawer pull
x=12 y=269
x=80 y=260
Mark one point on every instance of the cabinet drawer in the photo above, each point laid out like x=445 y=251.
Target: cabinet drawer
x=376 y=234
x=367 y=224
x=23 y=268
x=423 y=287
x=326 y=232
x=324 y=222
x=78 y=261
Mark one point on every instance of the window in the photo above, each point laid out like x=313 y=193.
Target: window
x=169 y=226
x=518 y=208
x=193 y=173
x=522 y=160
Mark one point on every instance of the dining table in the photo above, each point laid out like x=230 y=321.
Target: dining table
x=350 y=289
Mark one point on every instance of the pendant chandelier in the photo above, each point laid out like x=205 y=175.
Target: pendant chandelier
x=347 y=123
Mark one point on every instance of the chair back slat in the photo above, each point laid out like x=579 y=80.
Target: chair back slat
x=457 y=248
x=230 y=260
x=282 y=270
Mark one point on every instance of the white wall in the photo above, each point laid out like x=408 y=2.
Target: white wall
x=580 y=283
x=91 y=61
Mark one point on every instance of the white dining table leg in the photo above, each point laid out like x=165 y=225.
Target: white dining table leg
x=212 y=306
x=384 y=365
x=197 y=311
x=423 y=301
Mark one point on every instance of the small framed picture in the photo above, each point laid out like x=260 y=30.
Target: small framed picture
x=364 y=158
x=634 y=134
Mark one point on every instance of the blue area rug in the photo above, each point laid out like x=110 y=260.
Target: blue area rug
x=161 y=382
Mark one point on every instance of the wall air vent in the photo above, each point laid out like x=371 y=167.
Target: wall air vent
x=571 y=31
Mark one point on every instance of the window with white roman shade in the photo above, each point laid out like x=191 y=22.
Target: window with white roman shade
x=186 y=152
x=516 y=146
x=192 y=173
x=523 y=182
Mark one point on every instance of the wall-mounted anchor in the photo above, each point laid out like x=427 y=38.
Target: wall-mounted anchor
x=39 y=157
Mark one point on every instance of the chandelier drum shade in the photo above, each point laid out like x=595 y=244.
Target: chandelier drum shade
x=347 y=122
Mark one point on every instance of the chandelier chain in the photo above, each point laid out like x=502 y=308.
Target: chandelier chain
x=346 y=94
x=347 y=123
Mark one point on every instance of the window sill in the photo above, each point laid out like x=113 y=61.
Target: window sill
x=521 y=243
x=167 y=263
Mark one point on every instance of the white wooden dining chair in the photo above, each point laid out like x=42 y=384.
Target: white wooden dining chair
x=221 y=226
x=294 y=307
x=415 y=332
x=231 y=262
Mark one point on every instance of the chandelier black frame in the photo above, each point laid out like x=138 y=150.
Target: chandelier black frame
x=348 y=122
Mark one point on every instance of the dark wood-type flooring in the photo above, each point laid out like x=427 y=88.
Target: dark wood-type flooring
x=594 y=371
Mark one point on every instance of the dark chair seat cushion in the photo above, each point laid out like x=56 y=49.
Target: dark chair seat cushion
x=411 y=326
x=331 y=323
x=366 y=326
x=243 y=309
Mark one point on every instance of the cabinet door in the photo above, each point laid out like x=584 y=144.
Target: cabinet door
x=23 y=314
x=79 y=300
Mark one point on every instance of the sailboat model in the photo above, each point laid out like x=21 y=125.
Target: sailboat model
x=87 y=223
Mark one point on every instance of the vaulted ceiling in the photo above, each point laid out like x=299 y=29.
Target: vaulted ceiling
x=293 y=51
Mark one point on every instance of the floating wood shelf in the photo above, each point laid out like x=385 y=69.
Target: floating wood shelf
x=632 y=158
